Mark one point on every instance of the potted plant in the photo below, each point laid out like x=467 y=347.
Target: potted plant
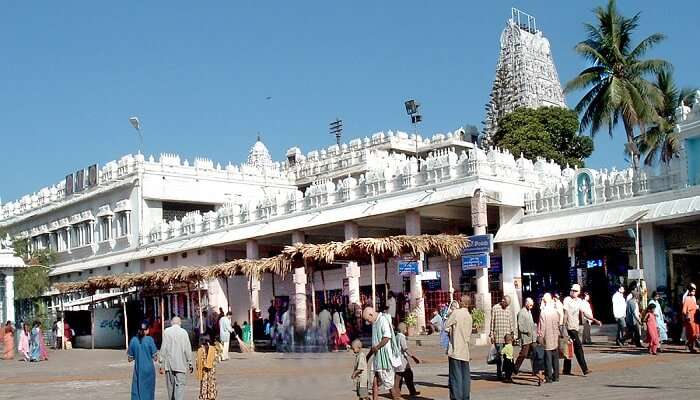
x=478 y=319
x=411 y=322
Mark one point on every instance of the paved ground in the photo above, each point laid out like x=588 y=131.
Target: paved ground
x=105 y=374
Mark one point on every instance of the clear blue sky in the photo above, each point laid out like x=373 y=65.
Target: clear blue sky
x=198 y=75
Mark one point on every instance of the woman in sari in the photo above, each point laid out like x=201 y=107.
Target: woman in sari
x=23 y=347
x=8 y=340
x=649 y=320
x=142 y=350
x=247 y=334
x=690 y=307
x=660 y=320
x=35 y=340
x=206 y=370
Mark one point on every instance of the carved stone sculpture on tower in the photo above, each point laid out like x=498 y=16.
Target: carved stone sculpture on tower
x=525 y=74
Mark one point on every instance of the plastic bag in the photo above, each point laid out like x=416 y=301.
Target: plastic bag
x=492 y=357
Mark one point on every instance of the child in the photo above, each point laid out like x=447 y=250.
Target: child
x=507 y=356
x=652 y=328
x=360 y=373
x=538 y=361
x=206 y=369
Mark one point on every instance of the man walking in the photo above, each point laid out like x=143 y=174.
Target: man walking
x=526 y=333
x=225 y=330
x=385 y=352
x=459 y=327
x=175 y=359
x=573 y=308
x=619 y=312
x=501 y=325
x=548 y=333
x=59 y=334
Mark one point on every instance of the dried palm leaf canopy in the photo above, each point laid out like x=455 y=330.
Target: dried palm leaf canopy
x=354 y=249
x=382 y=248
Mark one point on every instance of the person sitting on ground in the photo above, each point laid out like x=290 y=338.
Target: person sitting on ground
x=507 y=357
x=360 y=372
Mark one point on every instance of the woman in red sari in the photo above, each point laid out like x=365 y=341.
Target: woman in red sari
x=8 y=340
x=690 y=308
x=652 y=329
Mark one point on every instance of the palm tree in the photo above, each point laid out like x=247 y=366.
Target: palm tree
x=618 y=88
x=661 y=141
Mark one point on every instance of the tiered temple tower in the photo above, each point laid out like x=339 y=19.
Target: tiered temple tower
x=525 y=73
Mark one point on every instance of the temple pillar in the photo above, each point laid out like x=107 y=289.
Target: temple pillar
x=483 y=295
x=10 y=294
x=416 y=296
x=352 y=270
x=654 y=258
x=253 y=253
x=300 y=279
x=512 y=272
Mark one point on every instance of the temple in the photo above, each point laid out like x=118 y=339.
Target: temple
x=525 y=73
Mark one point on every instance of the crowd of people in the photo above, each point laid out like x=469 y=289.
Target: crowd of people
x=550 y=335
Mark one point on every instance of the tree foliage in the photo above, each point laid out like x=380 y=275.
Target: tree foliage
x=549 y=132
x=32 y=281
x=617 y=77
x=661 y=141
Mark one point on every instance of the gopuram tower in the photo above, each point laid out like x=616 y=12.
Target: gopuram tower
x=525 y=73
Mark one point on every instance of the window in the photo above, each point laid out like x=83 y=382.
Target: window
x=200 y=252
x=184 y=255
x=123 y=221
x=126 y=265
x=165 y=258
x=109 y=268
x=152 y=260
x=105 y=228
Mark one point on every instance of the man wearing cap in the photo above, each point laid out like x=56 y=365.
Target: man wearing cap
x=573 y=308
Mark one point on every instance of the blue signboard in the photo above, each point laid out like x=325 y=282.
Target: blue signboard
x=479 y=244
x=496 y=264
x=407 y=267
x=475 y=261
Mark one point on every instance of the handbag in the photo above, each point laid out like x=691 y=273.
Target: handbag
x=492 y=357
x=563 y=347
x=570 y=350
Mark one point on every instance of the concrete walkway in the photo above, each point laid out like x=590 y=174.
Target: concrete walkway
x=105 y=374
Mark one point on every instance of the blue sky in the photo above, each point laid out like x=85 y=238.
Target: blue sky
x=198 y=76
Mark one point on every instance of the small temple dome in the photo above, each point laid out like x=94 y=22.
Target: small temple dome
x=259 y=155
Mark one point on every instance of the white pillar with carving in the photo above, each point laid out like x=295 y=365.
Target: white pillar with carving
x=352 y=270
x=512 y=272
x=68 y=239
x=483 y=295
x=417 y=301
x=253 y=253
x=654 y=257
x=9 y=294
x=300 y=280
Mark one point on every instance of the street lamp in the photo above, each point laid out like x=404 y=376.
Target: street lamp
x=137 y=125
x=412 y=111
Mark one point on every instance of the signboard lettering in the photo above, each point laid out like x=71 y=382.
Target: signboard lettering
x=475 y=261
x=479 y=244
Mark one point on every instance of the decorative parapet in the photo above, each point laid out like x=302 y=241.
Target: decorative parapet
x=128 y=165
x=584 y=187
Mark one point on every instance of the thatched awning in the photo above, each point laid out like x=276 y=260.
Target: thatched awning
x=388 y=247
x=353 y=249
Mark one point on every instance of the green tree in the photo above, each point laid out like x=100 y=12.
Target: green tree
x=661 y=141
x=31 y=282
x=549 y=132
x=617 y=77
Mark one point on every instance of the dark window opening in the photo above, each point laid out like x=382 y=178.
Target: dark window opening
x=173 y=210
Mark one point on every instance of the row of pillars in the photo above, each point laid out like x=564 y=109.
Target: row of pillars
x=352 y=270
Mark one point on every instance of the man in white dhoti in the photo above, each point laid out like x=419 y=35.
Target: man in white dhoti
x=385 y=351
